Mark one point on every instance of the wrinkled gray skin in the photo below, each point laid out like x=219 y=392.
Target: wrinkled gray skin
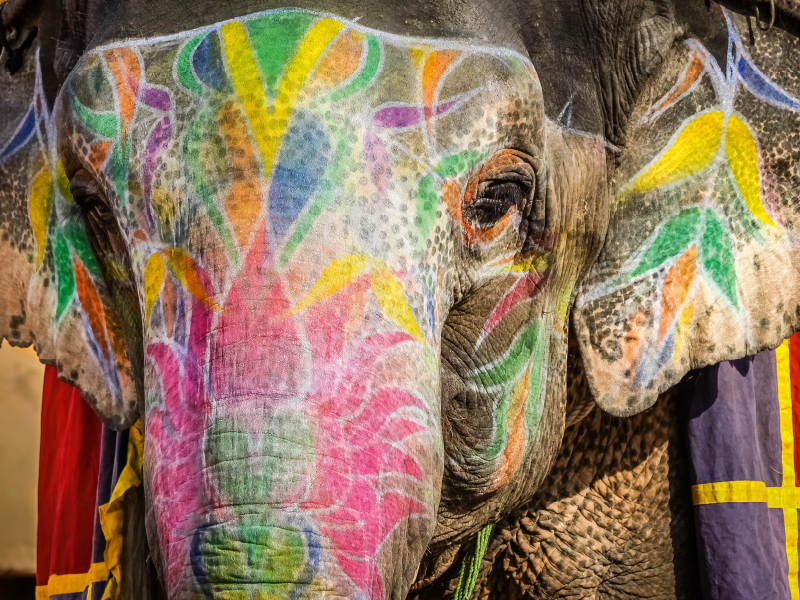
x=636 y=540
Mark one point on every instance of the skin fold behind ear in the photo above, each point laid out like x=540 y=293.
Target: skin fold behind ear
x=699 y=264
x=53 y=291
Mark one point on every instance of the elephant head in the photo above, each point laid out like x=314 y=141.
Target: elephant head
x=332 y=267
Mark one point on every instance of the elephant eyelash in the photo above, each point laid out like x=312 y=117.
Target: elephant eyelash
x=494 y=199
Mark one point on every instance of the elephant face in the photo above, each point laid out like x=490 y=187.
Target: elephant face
x=353 y=275
x=333 y=270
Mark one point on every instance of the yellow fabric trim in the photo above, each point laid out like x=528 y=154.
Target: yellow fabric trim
x=790 y=527
x=70 y=584
x=111 y=514
x=782 y=361
x=746 y=491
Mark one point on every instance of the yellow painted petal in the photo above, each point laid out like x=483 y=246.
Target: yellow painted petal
x=534 y=263
x=63 y=182
x=269 y=128
x=153 y=279
x=392 y=300
x=334 y=278
x=742 y=154
x=682 y=328
x=183 y=268
x=39 y=203
x=692 y=151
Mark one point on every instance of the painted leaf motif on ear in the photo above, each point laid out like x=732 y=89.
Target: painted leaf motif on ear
x=92 y=306
x=672 y=239
x=675 y=288
x=703 y=271
x=39 y=202
x=716 y=255
x=742 y=154
x=692 y=150
x=695 y=68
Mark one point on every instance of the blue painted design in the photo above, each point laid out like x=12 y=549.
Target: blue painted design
x=763 y=88
x=196 y=559
x=301 y=164
x=208 y=65
x=21 y=136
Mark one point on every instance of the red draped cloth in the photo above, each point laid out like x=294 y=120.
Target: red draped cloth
x=69 y=467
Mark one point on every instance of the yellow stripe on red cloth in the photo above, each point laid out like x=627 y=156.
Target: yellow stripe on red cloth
x=71 y=584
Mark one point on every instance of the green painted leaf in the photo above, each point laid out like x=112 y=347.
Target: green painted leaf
x=673 y=238
x=361 y=80
x=274 y=39
x=120 y=154
x=206 y=166
x=183 y=65
x=75 y=234
x=455 y=164
x=508 y=368
x=427 y=202
x=65 y=278
x=103 y=124
x=716 y=257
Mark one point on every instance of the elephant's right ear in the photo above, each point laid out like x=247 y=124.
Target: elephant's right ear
x=53 y=291
x=702 y=258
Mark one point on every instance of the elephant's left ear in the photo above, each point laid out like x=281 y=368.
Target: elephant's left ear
x=54 y=292
x=702 y=258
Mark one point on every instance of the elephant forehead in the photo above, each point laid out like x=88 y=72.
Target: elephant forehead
x=297 y=99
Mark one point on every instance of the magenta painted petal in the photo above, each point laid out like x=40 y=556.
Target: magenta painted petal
x=395 y=508
x=398 y=116
x=525 y=289
x=445 y=106
x=398 y=461
x=256 y=350
x=155 y=98
x=377 y=160
x=156 y=145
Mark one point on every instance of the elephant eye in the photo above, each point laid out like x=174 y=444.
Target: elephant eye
x=493 y=201
x=105 y=238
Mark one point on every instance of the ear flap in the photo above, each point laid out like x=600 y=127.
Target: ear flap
x=52 y=289
x=702 y=258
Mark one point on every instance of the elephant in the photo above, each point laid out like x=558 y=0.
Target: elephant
x=369 y=274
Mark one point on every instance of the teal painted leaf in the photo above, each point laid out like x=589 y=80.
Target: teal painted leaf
x=673 y=238
x=716 y=257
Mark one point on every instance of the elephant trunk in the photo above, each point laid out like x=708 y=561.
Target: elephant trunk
x=300 y=459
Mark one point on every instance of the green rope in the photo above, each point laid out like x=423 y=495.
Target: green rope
x=471 y=564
